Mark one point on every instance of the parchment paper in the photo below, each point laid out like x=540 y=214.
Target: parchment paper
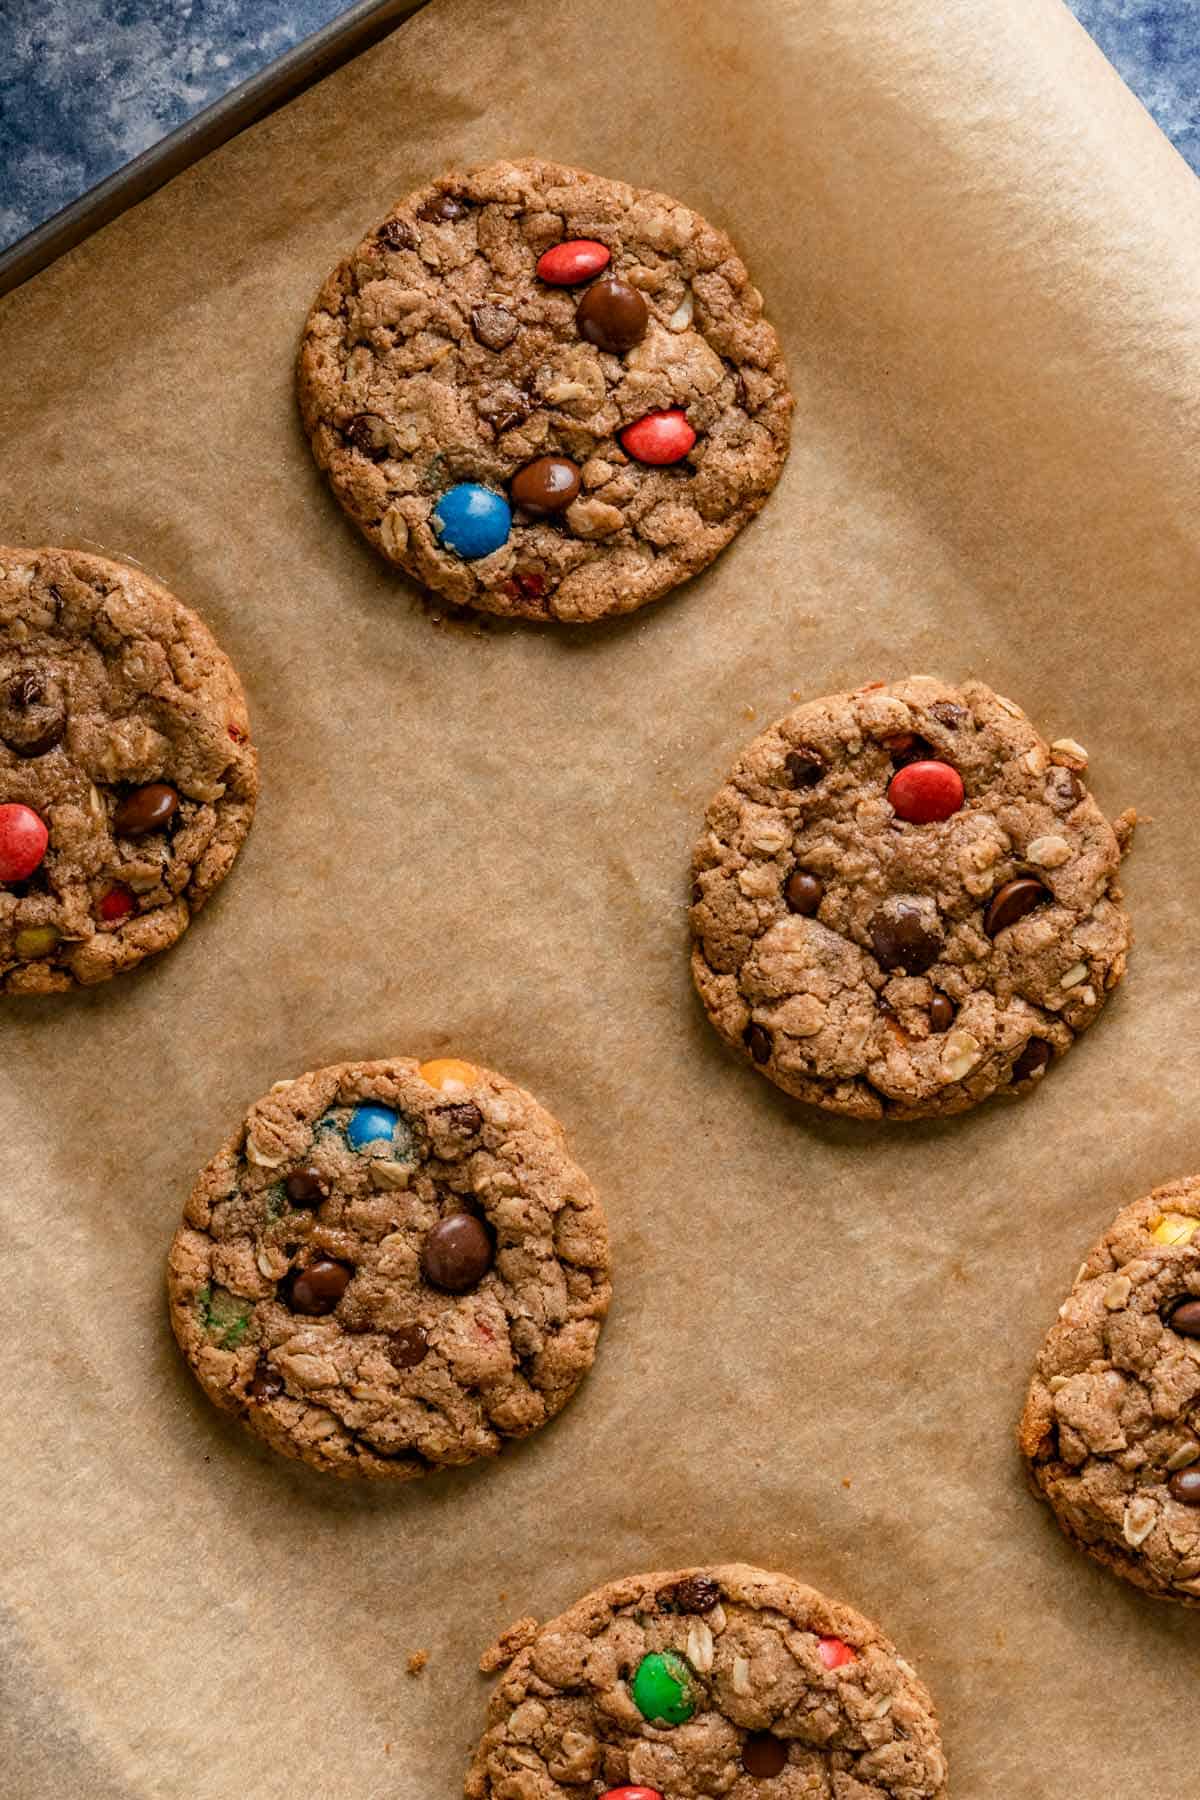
x=985 y=263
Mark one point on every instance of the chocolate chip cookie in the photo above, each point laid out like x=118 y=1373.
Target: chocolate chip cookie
x=1111 y=1428
x=127 y=775
x=544 y=393
x=904 y=900
x=702 y=1682
x=391 y=1267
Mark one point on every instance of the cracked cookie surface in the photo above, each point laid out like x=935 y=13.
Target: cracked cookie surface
x=771 y=1692
x=123 y=727
x=881 y=965
x=392 y=1267
x=1111 y=1427
x=436 y=355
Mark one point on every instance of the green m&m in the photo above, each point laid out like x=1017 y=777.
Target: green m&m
x=664 y=1688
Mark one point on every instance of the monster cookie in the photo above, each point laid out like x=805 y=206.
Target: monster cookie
x=904 y=900
x=391 y=1267
x=544 y=393
x=127 y=777
x=705 y=1682
x=1111 y=1428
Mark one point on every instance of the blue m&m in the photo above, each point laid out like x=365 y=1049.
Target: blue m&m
x=471 y=520
x=369 y=1124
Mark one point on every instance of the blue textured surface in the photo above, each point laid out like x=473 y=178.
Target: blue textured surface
x=87 y=84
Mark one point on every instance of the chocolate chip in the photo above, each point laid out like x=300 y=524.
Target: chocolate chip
x=1033 y=1059
x=146 y=809
x=803 y=892
x=1064 y=790
x=764 y=1755
x=408 y=1346
x=1185 y=1318
x=33 y=713
x=317 y=1289
x=694 y=1594
x=941 y=1012
x=502 y=406
x=907 y=747
x=697 y=893
x=368 y=434
x=1011 y=902
x=1185 y=1487
x=306 y=1187
x=904 y=937
x=494 y=326
x=397 y=234
x=457 y=1254
x=268 y=1382
x=804 y=768
x=948 y=714
x=462 y=1116
x=757 y=1040
x=612 y=315
x=547 y=485
x=441 y=209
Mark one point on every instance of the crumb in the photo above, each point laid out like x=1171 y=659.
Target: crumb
x=417 y=1661
x=508 y=1645
x=845 y=1481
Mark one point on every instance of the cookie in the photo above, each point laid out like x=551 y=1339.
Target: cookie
x=904 y=900
x=127 y=775
x=702 y=1682
x=1111 y=1427
x=392 y=1267
x=543 y=393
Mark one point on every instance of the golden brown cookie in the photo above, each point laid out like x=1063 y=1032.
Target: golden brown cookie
x=1111 y=1428
x=904 y=900
x=545 y=393
x=700 y=1682
x=391 y=1268
x=127 y=775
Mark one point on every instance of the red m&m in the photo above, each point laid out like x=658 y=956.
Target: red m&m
x=632 y=1793
x=117 y=903
x=659 y=437
x=565 y=265
x=23 y=841
x=925 y=792
x=833 y=1652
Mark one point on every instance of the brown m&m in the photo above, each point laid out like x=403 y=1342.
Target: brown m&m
x=1185 y=1487
x=146 y=809
x=457 y=1253
x=1185 y=1318
x=764 y=1755
x=547 y=485
x=612 y=315
x=407 y=1346
x=941 y=1013
x=803 y=892
x=1011 y=902
x=317 y=1289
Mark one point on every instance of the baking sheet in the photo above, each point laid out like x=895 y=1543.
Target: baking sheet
x=985 y=263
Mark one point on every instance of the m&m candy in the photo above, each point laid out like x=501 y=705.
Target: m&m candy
x=565 y=265
x=663 y=1688
x=370 y=1124
x=471 y=520
x=924 y=793
x=834 y=1652
x=23 y=841
x=659 y=437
